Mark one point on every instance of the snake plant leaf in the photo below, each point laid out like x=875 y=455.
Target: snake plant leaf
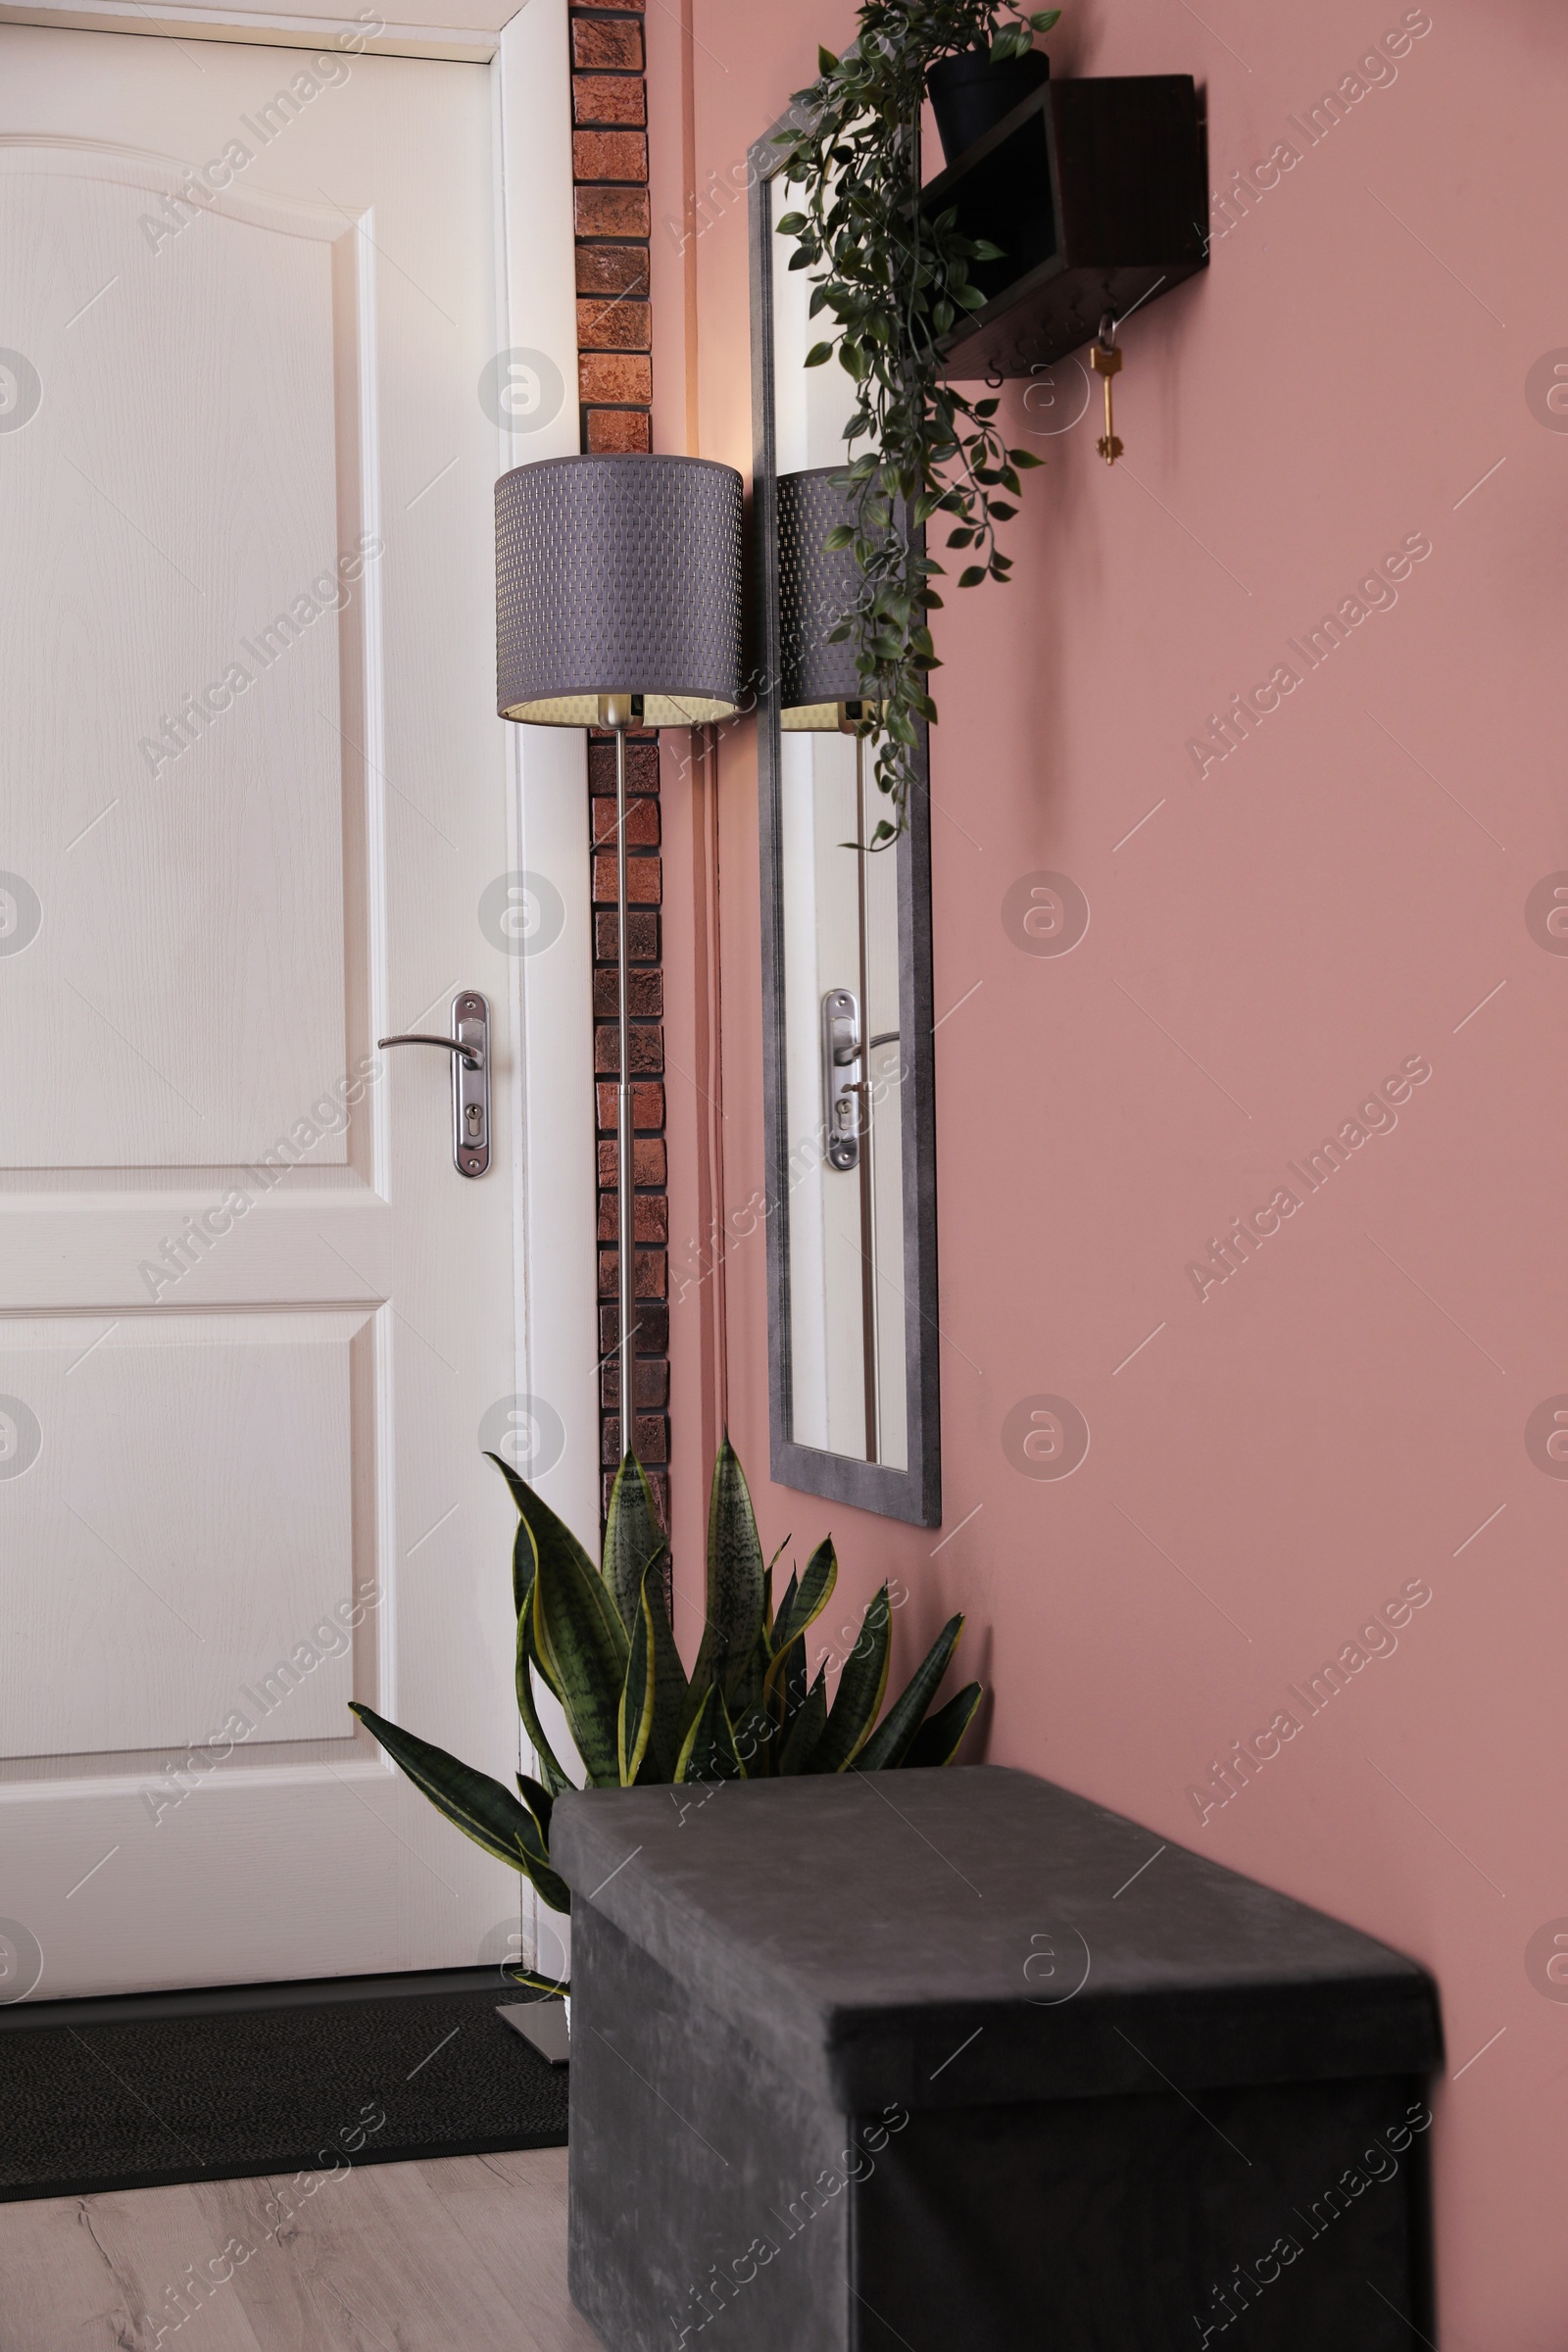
x=890 y=1743
x=635 y=1720
x=633 y=1537
x=793 y=1687
x=709 y=1752
x=801 y=1608
x=541 y=1802
x=521 y=1493
x=698 y=1688
x=556 y=1778
x=937 y=1740
x=669 y=1680
x=767 y=1607
x=862 y=1686
x=582 y=1647
x=478 y=1806
x=747 y=1710
x=806 y=1728
x=516 y=1974
x=735 y=1593
x=550 y=1533
x=779 y=1629
x=524 y=1566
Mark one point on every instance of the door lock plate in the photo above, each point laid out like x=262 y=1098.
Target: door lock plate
x=470 y=1087
x=840 y=1076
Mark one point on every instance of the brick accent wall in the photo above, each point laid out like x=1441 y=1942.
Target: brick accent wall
x=609 y=168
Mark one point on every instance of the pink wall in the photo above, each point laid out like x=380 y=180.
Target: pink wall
x=1338 y=896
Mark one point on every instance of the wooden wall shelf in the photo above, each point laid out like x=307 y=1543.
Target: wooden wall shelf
x=1098 y=192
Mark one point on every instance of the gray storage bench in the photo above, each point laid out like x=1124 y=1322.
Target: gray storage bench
x=931 y=2060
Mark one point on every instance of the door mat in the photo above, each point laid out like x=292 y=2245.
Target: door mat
x=305 y=2080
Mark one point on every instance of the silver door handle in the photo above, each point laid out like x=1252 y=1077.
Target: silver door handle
x=469 y=1046
x=472 y=1056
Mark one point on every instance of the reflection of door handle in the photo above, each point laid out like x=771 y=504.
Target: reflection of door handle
x=469 y=1046
x=840 y=1092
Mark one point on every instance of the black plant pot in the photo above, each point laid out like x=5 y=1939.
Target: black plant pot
x=969 y=93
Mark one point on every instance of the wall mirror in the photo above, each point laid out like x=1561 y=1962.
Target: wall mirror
x=846 y=967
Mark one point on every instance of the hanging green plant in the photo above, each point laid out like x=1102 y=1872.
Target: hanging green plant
x=895 y=281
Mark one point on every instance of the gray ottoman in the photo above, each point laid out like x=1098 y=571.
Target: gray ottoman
x=946 y=2061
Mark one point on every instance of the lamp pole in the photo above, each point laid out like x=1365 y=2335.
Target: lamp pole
x=619 y=710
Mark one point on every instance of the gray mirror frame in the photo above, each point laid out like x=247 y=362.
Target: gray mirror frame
x=916 y=1493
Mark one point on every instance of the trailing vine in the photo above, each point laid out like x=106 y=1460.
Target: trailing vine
x=894 y=283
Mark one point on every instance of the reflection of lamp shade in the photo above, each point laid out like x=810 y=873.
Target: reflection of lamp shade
x=815 y=589
x=618 y=575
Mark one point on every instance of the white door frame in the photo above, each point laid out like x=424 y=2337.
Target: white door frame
x=556 y=1188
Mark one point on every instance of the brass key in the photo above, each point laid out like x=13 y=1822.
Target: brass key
x=1106 y=360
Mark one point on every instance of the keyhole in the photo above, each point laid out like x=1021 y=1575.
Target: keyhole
x=473 y=1121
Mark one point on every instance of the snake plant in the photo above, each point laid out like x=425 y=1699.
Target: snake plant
x=601 y=1640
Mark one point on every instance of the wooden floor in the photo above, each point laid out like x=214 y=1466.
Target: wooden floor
x=464 y=2254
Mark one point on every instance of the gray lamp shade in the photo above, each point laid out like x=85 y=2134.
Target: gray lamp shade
x=815 y=589
x=618 y=575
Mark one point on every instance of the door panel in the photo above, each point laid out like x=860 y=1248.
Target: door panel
x=251 y=1318
x=182 y=478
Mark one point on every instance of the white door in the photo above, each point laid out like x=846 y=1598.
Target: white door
x=255 y=813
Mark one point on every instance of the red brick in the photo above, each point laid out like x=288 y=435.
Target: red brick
x=612 y=211
x=653 y=1329
x=647 y=1162
x=618 y=432
x=647 y=1049
x=650 y=1218
x=644 y=880
x=642 y=937
x=649 y=1443
x=615 y=155
x=644 y=993
x=615 y=325
x=642 y=763
x=614 y=376
x=606 y=43
x=617 y=98
x=613 y=269
x=651 y=1388
x=649 y=1278
x=642 y=821
x=647 y=1110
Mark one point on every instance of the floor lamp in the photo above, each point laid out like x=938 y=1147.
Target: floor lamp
x=821 y=693
x=618 y=606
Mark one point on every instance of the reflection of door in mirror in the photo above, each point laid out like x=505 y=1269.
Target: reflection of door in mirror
x=841 y=984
